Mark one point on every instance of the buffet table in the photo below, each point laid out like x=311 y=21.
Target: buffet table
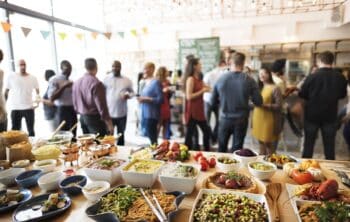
x=80 y=203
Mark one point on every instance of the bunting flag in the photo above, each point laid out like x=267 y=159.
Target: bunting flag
x=45 y=34
x=6 y=26
x=26 y=31
x=121 y=34
x=79 y=36
x=145 y=30
x=134 y=32
x=62 y=35
x=108 y=35
x=94 y=35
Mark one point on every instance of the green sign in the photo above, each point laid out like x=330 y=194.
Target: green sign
x=207 y=49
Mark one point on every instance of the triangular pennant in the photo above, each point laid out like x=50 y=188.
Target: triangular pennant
x=62 y=35
x=6 y=26
x=79 y=36
x=134 y=32
x=108 y=35
x=26 y=31
x=45 y=34
x=94 y=35
x=145 y=30
x=121 y=34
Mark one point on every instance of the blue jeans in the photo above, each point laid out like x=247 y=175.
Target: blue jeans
x=227 y=127
x=328 y=131
x=150 y=126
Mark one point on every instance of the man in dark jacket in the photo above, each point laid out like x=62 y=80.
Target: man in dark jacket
x=321 y=92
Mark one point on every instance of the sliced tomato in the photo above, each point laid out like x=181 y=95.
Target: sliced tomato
x=301 y=177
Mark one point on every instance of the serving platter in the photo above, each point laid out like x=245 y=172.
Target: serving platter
x=279 y=165
x=92 y=211
x=27 y=194
x=256 y=197
x=30 y=211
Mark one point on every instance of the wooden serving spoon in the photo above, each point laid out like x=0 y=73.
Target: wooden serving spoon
x=274 y=191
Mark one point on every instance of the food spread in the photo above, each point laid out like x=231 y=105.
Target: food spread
x=229 y=207
x=227 y=160
x=178 y=170
x=279 y=159
x=54 y=202
x=10 y=197
x=143 y=166
x=324 y=212
x=129 y=205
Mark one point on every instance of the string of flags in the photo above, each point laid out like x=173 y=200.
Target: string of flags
x=80 y=36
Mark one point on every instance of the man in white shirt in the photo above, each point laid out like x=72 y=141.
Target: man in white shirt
x=118 y=91
x=210 y=80
x=19 y=88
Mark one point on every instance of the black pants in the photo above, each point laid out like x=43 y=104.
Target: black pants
x=151 y=129
x=120 y=123
x=93 y=124
x=191 y=127
x=28 y=115
x=229 y=126
x=68 y=114
x=208 y=110
x=3 y=125
x=328 y=131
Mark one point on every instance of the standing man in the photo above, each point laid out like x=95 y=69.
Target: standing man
x=89 y=100
x=60 y=92
x=3 y=113
x=19 y=89
x=210 y=79
x=233 y=91
x=321 y=92
x=118 y=91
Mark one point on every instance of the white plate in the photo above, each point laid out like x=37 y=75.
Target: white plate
x=257 y=197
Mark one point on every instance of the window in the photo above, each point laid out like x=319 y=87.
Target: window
x=43 y=6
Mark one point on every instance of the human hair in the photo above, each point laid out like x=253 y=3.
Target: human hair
x=90 y=64
x=189 y=56
x=190 y=70
x=161 y=73
x=1 y=55
x=49 y=73
x=150 y=65
x=238 y=59
x=65 y=63
x=326 y=57
x=270 y=80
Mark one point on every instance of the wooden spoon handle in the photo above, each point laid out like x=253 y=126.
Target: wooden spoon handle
x=275 y=211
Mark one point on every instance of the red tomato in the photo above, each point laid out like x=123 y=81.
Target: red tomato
x=197 y=155
x=202 y=158
x=204 y=166
x=212 y=162
x=301 y=177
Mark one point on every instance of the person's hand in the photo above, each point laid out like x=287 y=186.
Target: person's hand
x=67 y=84
x=206 y=89
x=266 y=106
x=110 y=127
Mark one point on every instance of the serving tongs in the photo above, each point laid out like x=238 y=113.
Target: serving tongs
x=161 y=216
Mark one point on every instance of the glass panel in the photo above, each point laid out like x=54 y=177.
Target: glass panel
x=43 y=6
x=5 y=65
x=37 y=51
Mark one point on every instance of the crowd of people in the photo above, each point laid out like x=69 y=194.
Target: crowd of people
x=228 y=92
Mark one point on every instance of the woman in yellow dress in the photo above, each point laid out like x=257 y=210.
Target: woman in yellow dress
x=267 y=118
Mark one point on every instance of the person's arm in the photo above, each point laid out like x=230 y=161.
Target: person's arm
x=99 y=96
x=157 y=99
x=58 y=92
x=189 y=90
x=255 y=93
x=277 y=100
x=6 y=94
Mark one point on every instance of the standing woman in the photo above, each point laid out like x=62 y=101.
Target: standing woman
x=267 y=118
x=194 y=108
x=162 y=76
x=150 y=99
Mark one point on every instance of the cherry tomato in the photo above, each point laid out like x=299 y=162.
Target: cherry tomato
x=202 y=158
x=204 y=166
x=301 y=177
x=197 y=155
x=212 y=162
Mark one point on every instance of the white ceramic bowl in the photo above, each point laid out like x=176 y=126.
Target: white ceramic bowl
x=92 y=195
x=245 y=159
x=45 y=165
x=173 y=183
x=224 y=167
x=8 y=176
x=262 y=174
x=139 y=179
x=110 y=176
x=50 y=181
x=21 y=163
